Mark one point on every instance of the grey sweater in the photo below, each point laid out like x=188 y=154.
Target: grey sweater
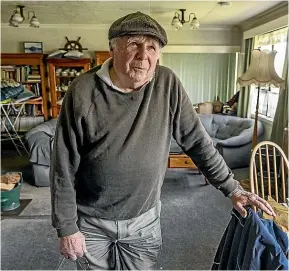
x=111 y=148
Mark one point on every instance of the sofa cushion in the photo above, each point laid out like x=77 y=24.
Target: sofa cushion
x=223 y=127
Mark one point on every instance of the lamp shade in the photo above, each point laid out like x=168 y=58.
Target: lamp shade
x=261 y=71
x=34 y=22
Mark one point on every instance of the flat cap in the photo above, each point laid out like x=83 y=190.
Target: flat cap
x=137 y=23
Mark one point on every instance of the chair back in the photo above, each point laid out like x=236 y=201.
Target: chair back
x=269 y=171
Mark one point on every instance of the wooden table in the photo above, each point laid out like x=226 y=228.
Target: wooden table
x=182 y=161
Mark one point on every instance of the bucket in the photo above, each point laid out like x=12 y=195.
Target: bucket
x=10 y=200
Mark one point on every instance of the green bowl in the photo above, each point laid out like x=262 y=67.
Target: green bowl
x=10 y=200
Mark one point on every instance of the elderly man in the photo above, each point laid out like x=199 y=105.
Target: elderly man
x=111 y=148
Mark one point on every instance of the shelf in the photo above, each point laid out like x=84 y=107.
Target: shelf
x=67 y=76
x=30 y=60
x=34 y=100
x=56 y=80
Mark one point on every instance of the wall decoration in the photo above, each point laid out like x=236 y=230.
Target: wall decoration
x=73 y=45
x=33 y=47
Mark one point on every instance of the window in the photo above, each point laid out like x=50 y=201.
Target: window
x=268 y=99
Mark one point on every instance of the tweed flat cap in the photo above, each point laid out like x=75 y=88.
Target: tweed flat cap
x=137 y=23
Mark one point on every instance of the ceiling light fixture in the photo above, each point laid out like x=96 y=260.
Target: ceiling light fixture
x=179 y=20
x=225 y=4
x=18 y=17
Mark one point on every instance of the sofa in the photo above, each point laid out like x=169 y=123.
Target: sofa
x=40 y=143
x=231 y=136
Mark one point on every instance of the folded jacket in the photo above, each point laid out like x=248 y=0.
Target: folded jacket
x=252 y=243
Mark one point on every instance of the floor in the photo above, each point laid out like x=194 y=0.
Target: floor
x=194 y=216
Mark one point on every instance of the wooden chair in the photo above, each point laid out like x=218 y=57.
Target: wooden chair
x=269 y=171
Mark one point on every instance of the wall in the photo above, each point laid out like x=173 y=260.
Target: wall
x=95 y=37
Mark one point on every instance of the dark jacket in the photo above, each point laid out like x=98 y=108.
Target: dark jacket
x=252 y=243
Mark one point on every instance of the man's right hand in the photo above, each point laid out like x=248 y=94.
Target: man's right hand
x=73 y=246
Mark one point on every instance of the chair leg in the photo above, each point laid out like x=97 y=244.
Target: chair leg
x=206 y=181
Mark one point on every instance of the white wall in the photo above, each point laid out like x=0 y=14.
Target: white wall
x=95 y=38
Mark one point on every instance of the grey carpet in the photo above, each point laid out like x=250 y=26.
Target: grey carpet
x=194 y=217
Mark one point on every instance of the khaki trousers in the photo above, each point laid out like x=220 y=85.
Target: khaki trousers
x=122 y=244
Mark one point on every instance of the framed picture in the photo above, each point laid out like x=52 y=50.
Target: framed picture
x=33 y=47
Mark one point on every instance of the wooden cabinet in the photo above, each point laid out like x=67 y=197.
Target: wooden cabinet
x=180 y=161
x=29 y=70
x=62 y=71
x=100 y=57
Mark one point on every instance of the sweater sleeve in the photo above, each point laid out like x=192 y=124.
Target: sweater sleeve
x=64 y=165
x=192 y=137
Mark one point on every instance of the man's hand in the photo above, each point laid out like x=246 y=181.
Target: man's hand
x=243 y=198
x=73 y=246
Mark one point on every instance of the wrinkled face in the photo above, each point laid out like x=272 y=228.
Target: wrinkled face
x=135 y=58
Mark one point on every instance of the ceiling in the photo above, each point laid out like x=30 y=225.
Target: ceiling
x=209 y=13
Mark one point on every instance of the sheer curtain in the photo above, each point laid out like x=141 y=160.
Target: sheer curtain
x=244 y=97
x=204 y=75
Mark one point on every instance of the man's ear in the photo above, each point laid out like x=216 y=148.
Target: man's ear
x=110 y=50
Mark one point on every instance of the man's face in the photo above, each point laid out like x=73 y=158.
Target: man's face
x=135 y=58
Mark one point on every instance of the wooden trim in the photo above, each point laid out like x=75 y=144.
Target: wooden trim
x=63 y=61
x=271 y=14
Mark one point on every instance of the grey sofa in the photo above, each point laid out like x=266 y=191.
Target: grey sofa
x=231 y=136
x=40 y=143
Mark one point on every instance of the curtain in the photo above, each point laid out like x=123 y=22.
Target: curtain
x=244 y=97
x=274 y=37
x=203 y=75
x=281 y=115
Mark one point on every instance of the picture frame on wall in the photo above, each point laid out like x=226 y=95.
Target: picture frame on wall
x=33 y=47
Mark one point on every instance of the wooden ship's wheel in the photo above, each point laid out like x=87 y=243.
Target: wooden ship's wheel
x=73 y=45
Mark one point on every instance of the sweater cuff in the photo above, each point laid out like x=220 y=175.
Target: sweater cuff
x=69 y=230
x=228 y=186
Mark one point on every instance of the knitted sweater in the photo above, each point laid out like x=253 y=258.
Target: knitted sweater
x=111 y=148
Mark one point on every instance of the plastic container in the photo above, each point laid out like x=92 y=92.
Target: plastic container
x=10 y=200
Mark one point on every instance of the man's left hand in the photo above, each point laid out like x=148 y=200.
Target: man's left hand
x=244 y=198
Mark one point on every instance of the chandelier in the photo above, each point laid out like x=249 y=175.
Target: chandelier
x=179 y=20
x=18 y=17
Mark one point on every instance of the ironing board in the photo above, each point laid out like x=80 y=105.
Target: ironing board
x=17 y=107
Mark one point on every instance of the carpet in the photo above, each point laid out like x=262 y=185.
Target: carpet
x=194 y=217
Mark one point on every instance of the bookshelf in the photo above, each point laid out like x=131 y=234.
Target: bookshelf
x=61 y=72
x=100 y=57
x=29 y=70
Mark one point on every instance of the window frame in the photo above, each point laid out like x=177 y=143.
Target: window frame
x=270 y=90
